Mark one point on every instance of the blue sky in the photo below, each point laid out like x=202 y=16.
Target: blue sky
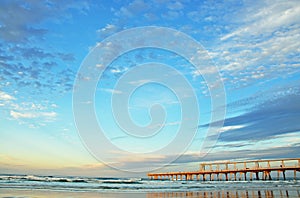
x=253 y=46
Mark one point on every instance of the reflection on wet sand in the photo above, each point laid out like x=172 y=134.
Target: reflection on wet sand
x=14 y=193
x=229 y=194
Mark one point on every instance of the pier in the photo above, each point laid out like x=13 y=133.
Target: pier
x=235 y=171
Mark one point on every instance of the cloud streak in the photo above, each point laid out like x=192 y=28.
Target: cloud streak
x=238 y=154
x=265 y=120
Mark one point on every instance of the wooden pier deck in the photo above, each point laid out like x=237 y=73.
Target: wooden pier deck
x=241 y=170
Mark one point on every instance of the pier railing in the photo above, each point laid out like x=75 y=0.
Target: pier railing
x=239 y=170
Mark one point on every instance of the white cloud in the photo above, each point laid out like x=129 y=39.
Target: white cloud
x=99 y=65
x=18 y=115
x=173 y=123
x=118 y=70
x=51 y=114
x=228 y=128
x=31 y=106
x=29 y=115
x=141 y=82
x=5 y=96
x=207 y=70
x=107 y=30
x=175 y=5
x=133 y=8
x=54 y=105
x=87 y=102
x=112 y=91
x=171 y=15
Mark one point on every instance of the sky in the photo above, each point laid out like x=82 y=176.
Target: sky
x=121 y=88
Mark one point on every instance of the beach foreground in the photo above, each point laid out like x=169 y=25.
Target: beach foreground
x=14 y=193
x=62 y=194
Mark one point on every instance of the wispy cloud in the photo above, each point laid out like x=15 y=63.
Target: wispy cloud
x=261 y=45
x=20 y=20
x=271 y=17
x=23 y=64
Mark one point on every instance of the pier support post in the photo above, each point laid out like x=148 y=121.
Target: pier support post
x=270 y=178
x=257 y=176
x=240 y=178
x=283 y=173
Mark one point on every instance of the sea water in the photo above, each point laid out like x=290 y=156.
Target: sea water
x=67 y=186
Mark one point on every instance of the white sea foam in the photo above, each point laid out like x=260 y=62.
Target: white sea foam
x=91 y=184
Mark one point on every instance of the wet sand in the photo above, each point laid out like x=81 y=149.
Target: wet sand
x=17 y=193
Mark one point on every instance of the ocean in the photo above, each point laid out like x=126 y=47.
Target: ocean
x=68 y=186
